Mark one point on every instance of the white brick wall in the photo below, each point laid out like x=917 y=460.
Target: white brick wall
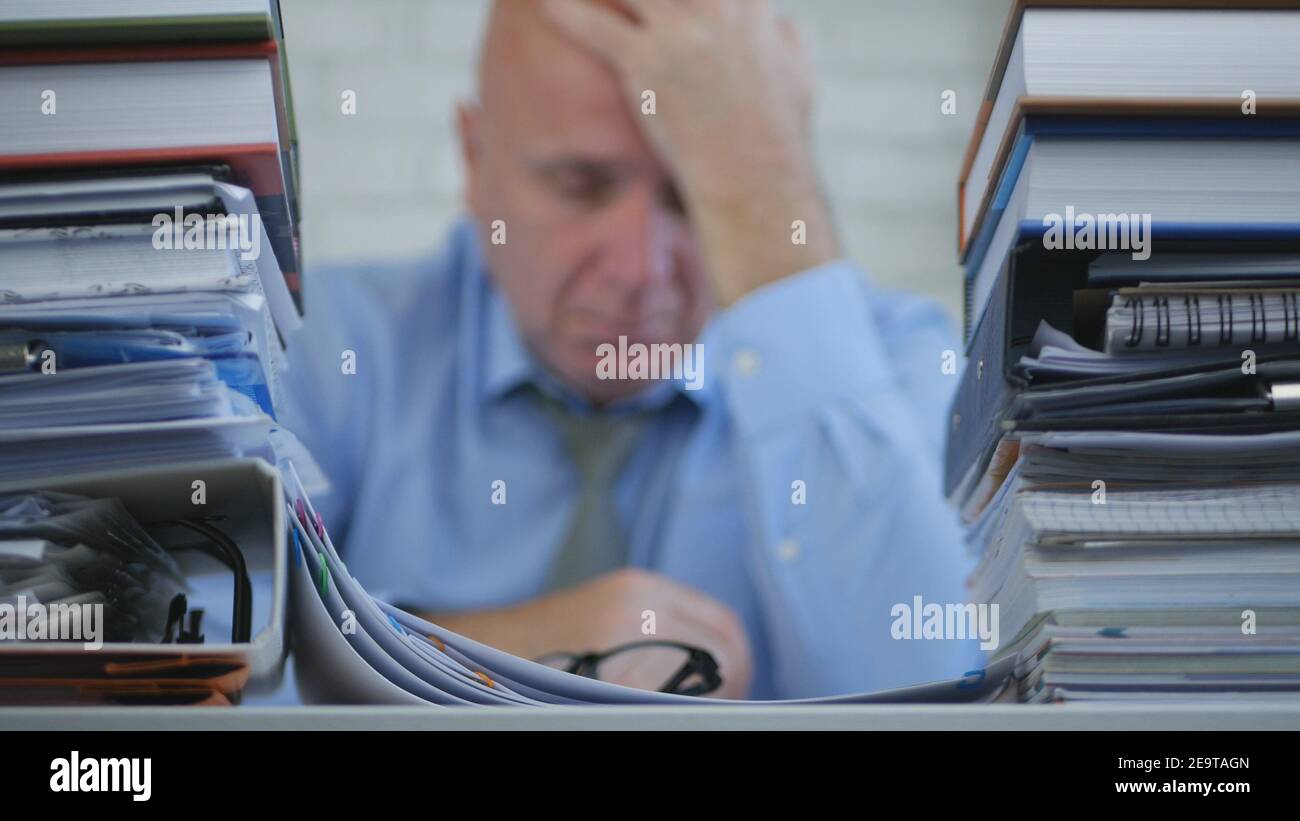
x=387 y=180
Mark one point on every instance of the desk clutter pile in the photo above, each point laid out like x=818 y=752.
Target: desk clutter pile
x=1125 y=443
x=149 y=286
x=148 y=282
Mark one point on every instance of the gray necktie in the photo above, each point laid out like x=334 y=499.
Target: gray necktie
x=599 y=445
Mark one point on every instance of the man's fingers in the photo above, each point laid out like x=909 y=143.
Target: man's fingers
x=654 y=12
x=716 y=627
x=600 y=29
x=713 y=9
x=790 y=35
x=683 y=614
x=732 y=11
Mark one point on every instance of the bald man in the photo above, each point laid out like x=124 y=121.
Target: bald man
x=506 y=461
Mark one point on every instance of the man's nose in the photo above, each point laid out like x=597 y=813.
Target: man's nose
x=638 y=250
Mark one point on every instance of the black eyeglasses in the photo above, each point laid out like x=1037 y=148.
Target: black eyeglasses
x=685 y=670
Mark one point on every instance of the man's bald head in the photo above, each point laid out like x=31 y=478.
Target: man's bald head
x=519 y=38
x=596 y=246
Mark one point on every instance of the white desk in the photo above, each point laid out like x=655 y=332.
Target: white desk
x=910 y=717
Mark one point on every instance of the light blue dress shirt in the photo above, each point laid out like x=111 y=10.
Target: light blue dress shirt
x=821 y=383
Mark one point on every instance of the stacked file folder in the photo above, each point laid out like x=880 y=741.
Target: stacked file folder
x=148 y=279
x=1125 y=443
x=351 y=648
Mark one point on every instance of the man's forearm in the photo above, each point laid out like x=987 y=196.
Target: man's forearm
x=515 y=629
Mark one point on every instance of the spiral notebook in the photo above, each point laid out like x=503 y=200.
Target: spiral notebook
x=1153 y=318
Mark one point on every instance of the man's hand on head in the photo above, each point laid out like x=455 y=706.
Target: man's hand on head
x=732 y=102
x=607 y=612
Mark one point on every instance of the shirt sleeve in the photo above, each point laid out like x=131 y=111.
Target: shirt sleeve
x=838 y=427
x=332 y=372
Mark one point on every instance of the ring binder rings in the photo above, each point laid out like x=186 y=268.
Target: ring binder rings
x=1142 y=320
x=248 y=494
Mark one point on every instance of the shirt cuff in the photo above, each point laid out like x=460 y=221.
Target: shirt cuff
x=797 y=345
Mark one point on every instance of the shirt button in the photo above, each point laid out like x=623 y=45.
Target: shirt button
x=788 y=550
x=746 y=362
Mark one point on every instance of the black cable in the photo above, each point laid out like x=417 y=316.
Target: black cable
x=222 y=548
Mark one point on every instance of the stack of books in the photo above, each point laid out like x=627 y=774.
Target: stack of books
x=1125 y=442
x=149 y=272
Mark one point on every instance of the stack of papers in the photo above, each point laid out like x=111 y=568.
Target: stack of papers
x=1126 y=448
x=117 y=352
x=1135 y=565
x=148 y=244
x=350 y=648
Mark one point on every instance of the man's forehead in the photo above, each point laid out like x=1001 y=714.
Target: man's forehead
x=534 y=78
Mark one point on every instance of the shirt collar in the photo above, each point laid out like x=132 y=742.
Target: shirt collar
x=508 y=364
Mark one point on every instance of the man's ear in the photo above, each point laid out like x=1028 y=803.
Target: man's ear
x=469 y=126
